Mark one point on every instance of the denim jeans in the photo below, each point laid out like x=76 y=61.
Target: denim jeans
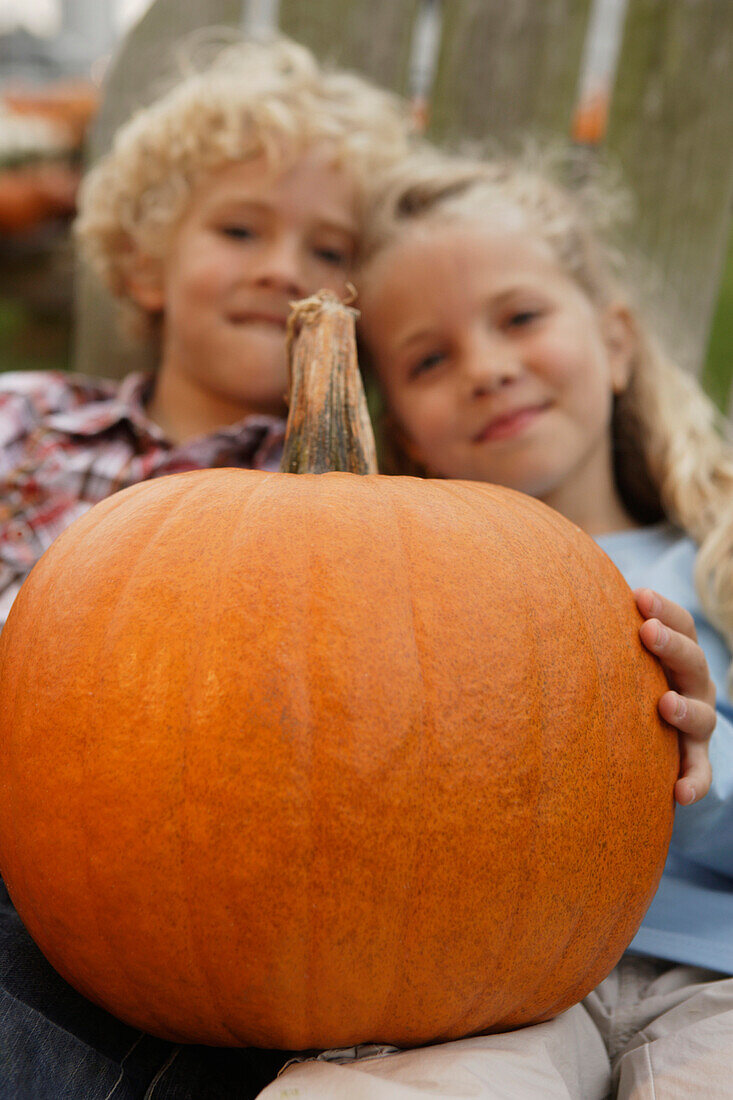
x=56 y=1045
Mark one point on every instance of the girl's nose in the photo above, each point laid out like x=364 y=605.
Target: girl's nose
x=491 y=363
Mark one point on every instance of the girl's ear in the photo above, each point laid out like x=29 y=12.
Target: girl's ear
x=144 y=282
x=619 y=335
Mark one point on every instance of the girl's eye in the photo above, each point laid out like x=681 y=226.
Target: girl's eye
x=427 y=363
x=238 y=232
x=336 y=257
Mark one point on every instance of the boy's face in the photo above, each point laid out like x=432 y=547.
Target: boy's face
x=252 y=240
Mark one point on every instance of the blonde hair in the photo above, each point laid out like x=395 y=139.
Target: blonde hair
x=247 y=98
x=673 y=457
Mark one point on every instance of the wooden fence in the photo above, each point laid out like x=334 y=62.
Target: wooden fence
x=503 y=70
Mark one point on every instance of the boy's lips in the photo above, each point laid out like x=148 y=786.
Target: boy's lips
x=259 y=317
x=511 y=422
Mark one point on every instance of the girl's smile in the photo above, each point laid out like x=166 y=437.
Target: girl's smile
x=511 y=423
x=495 y=365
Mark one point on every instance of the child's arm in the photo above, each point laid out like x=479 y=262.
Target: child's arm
x=669 y=633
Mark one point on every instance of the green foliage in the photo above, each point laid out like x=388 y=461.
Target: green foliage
x=31 y=342
x=718 y=371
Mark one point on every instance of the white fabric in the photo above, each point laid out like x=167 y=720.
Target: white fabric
x=651 y=1031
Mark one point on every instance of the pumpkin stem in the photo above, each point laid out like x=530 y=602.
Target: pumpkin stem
x=328 y=424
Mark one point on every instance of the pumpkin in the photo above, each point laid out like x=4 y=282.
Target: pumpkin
x=304 y=761
x=69 y=105
x=31 y=194
x=22 y=206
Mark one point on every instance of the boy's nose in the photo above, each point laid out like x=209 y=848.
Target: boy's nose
x=281 y=268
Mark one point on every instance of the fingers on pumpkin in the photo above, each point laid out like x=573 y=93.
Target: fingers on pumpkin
x=695 y=773
x=671 y=614
x=683 y=659
x=693 y=717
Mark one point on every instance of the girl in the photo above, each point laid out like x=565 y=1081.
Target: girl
x=506 y=351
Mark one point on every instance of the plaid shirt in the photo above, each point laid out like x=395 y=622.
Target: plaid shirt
x=67 y=442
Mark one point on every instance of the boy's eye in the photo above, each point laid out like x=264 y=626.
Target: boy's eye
x=238 y=232
x=426 y=363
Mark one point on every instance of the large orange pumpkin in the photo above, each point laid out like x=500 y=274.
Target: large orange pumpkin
x=302 y=761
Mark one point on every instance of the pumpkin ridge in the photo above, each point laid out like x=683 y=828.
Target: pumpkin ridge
x=528 y=884
x=27 y=909
x=385 y=946
x=309 y=1007
x=10 y=832
x=412 y=892
x=80 y=820
x=633 y=669
x=198 y=957
x=298 y=497
x=199 y=938
x=546 y=519
x=529 y=887
x=192 y=488
x=580 y=623
x=396 y=488
x=464 y=1022
x=189 y=493
x=405 y=488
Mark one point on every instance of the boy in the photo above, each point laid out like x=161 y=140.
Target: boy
x=235 y=193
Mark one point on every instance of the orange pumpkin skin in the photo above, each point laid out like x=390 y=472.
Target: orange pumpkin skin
x=305 y=761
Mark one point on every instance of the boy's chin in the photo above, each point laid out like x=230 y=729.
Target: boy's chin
x=257 y=375
x=255 y=402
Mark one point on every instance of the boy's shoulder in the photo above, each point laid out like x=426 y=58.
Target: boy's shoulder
x=28 y=397
x=54 y=389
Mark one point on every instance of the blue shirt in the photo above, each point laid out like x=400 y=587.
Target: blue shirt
x=690 y=919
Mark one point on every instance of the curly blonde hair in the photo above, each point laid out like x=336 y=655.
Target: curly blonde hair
x=673 y=456
x=247 y=98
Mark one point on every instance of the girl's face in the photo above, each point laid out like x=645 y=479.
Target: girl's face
x=496 y=366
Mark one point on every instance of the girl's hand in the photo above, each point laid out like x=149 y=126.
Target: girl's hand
x=690 y=707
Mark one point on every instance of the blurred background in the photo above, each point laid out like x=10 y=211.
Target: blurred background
x=645 y=82
x=53 y=54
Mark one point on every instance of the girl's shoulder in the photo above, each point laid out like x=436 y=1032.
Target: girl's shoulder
x=640 y=548
x=662 y=557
